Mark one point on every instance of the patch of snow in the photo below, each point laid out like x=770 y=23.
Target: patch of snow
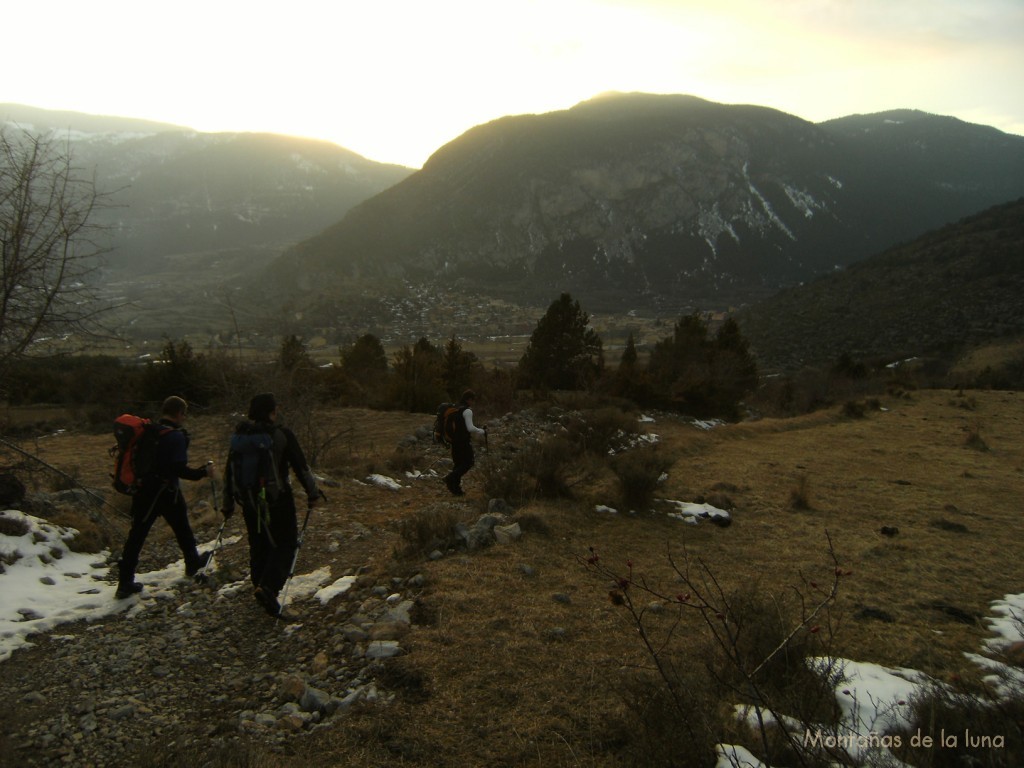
x=711 y=225
x=45 y=584
x=690 y=512
x=803 y=201
x=382 y=481
x=735 y=756
x=339 y=587
x=707 y=423
x=306 y=584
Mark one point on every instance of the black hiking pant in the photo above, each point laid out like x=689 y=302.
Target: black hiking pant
x=273 y=537
x=147 y=506
x=463 y=459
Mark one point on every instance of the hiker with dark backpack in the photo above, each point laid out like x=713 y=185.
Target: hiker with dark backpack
x=458 y=430
x=156 y=490
x=256 y=478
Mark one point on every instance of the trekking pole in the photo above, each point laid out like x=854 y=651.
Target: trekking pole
x=202 y=572
x=295 y=557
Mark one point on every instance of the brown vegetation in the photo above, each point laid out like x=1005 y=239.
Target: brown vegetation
x=519 y=657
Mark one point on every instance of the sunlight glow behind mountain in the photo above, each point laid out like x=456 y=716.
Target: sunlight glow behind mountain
x=396 y=81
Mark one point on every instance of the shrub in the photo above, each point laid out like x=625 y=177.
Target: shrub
x=671 y=722
x=540 y=470
x=14 y=527
x=752 y=650
x=530 y=523
x=973 y=439
x=602 y=431
x=941 y=708
x=853 y=409
x=428 y=529
x=639 y=472
x=800 y=496
x=405 y=460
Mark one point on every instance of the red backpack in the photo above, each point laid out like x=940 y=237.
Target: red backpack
x=135 y=451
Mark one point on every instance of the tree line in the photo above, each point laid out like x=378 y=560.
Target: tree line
x=693 y=371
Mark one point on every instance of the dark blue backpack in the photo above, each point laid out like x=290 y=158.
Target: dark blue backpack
x=254 y=477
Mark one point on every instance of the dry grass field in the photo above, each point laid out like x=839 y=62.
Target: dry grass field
x=519 y=657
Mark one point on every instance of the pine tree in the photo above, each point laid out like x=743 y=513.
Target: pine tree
x=416 y=385
x=364 y=367
x=629 y=379
x=627 y=363
x=564 y=352
x=457 y=368
x=699 y=375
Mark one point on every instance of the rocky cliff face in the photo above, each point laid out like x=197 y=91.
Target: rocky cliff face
x=664 y=198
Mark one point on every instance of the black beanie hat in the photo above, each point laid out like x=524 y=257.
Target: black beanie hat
x=261 y=406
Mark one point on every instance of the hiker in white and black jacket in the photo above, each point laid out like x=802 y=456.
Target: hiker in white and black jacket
x=271 y=522
x=462 y=443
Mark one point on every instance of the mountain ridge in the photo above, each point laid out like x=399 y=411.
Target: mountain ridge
x=173 y=192
x=946 y=292
x=672 y=200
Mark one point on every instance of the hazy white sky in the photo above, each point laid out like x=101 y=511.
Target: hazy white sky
x=396 y=80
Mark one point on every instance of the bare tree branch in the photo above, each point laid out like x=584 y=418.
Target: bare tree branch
x=50 y=245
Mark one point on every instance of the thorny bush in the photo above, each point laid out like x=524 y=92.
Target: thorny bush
x=711 y=652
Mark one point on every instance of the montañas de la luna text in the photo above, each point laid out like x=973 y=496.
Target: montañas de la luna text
x=873 y=740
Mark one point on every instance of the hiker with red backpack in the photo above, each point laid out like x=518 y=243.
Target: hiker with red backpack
x=156 y=492
x=256 y=478
x=458 y=431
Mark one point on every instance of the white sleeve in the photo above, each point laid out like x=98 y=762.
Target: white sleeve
x=468 y=416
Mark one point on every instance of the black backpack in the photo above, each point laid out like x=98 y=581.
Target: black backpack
x=135 y=451
x=254 y=476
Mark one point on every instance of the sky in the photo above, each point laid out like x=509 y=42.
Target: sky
x=395 y=81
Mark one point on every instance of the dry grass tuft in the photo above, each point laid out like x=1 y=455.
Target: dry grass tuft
x=10 y=526
x=426 y=530
x=973 y=438
x=800 y=495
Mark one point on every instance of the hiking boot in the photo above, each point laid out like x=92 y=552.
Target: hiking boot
x=272 y=606
x=286 y=614
x=127 y=590
x=197 y=565
x=268 y=601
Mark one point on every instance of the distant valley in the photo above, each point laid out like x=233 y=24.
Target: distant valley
x=644 y=207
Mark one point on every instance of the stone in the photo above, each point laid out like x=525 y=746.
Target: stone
x=122 y=712
x=498 y=507
x=506 y=534
x=388 y=630
x=292 y=688
x=314 y=700
x=354 y=634
x=401 y=612
x=382 y=649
